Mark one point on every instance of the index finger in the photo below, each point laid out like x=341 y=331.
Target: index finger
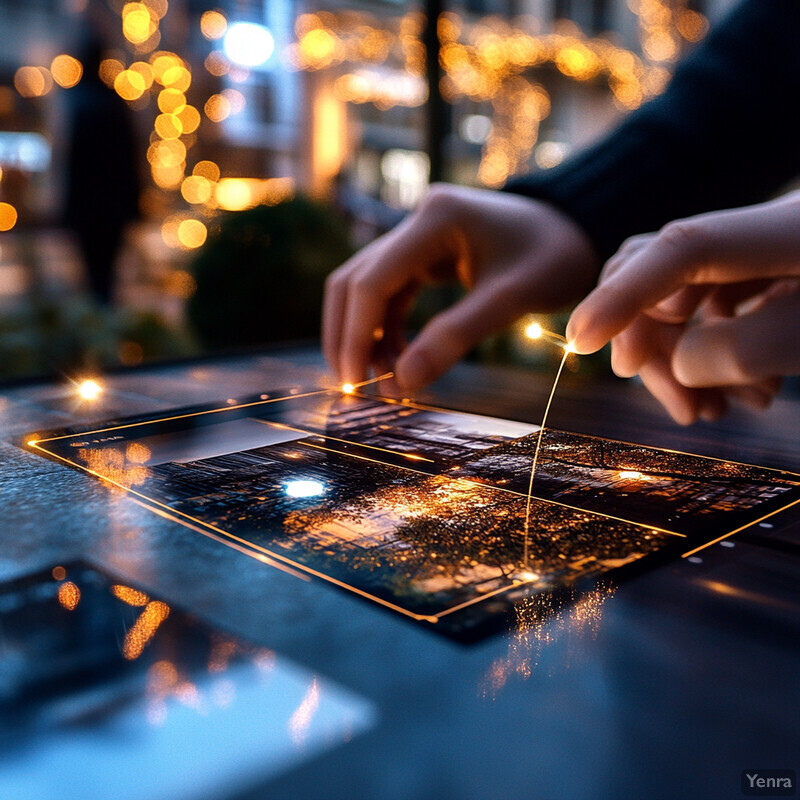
x=725 y=247
x=401 y=258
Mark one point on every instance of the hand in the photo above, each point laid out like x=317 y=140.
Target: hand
x=513 y=254
x=705 y=310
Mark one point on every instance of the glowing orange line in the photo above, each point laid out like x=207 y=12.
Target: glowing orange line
x=384 y=377
x=228 y=535
x=692 y=455
x=536 y=455
x=264 y=559
x=741 y=528
x=182 y=416
x=343 y=441
x=424 y=407
x=483 y=597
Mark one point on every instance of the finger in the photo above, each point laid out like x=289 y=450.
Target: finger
x=751 y=396
x=724 y=247
x=402 y=257
x=393 y=341
x=680 y=402
x=637 y=344
x=680 y=305
x=628 y=248
x=742 y=350
x=454 y=332
x=712 y=405
x=723 y=301
x=333 y=307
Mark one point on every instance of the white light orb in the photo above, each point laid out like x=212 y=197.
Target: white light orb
x=304 y=488
x=248 y=44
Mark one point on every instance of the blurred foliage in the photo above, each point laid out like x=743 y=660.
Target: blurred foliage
x=50 y=337
x=260 y=276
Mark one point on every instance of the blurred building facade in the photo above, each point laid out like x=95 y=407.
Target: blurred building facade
x=245 y=102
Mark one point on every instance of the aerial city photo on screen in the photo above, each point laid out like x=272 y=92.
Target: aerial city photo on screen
x=424 y=511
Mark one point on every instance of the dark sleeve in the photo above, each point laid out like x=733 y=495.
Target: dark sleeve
x=722 y=135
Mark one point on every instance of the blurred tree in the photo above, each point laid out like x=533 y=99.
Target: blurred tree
x=260 y=275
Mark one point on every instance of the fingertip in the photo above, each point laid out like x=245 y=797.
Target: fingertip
x=414 y=369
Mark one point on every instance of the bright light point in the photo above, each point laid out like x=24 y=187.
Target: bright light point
x=248 y=44
x=32 y=443
x=89 y=390
x=348 y=388
x=534 y=330
x=631 y=474
x=304 y=488
x=528 y=576
x=569 y=347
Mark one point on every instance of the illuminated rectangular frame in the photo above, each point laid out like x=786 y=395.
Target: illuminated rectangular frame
x=303 y=571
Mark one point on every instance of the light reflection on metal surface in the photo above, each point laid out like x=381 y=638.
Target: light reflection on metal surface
x=69 y=595
x=300 y=721
x=541 y=621
x=143 y=630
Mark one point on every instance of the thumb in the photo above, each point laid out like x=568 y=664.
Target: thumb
x=742 y=350
x=454 y=332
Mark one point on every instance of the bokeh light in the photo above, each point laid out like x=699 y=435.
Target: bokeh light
x=192 y=233
x=207 y=169
x=66 y=71
x=217 y=108
x=213 y=24
x=248 y=44
x=8 y=216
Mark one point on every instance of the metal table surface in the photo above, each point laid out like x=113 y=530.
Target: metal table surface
x=681 y=680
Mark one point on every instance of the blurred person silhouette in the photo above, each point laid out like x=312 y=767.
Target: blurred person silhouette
x=102 y=181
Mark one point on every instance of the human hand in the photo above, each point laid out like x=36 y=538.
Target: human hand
x=705 y=310
x=514 y=255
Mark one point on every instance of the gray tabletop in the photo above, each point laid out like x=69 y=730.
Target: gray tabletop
x=670 y=686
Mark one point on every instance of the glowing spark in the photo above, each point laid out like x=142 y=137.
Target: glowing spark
x=569 y=347
x=348 y=388
x=534 y=331
x=32 y=443
x=89 y=390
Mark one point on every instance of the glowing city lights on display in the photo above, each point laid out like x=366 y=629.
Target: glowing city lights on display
x=630 y=474
x=304 y=488
x=89 y=390
x=248 y=44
